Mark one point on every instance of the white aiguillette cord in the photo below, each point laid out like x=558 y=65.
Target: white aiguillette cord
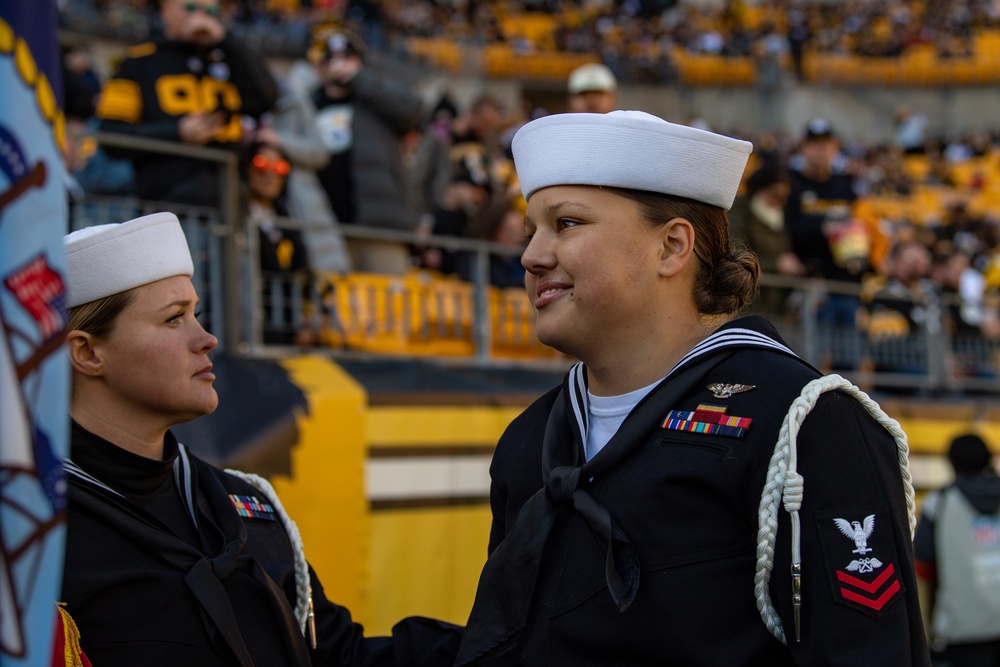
x=784 y=483
x=303 y=587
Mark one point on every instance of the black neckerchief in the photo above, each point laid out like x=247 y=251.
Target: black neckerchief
x=507 y=583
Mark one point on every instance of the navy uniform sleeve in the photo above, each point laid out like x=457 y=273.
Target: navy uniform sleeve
x=415 y=642
x=341 y=641
x=859 y=590
x=425 y=642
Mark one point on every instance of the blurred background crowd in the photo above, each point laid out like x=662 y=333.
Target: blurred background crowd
x=327 y=104
x=620 y=31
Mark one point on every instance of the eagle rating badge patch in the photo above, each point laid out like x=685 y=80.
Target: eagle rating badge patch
x=861 y=559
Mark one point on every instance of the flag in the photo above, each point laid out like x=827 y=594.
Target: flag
x=34 y=379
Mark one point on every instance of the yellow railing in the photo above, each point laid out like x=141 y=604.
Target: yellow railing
x=423 y=314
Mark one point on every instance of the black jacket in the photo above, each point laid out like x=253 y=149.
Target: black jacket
x=147 y=586
x=158 y=84
x=813 y=212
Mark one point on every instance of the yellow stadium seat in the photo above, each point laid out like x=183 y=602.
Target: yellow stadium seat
x=498 y=60
x=812 y=67
x=513 y=335
x=919 y=65
x=928 y=205
x=845 y=69
x=443 y=316
x=537 y=27
x=962 y=71
x=987 y=43
x=712 y=70
x=439 y=52
x=970 y=173
x=753 y=16
x=917 y=167
x=424 y=314
x=366 y=312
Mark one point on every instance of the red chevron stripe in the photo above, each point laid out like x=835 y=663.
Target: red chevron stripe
x=864 y=585
x=875 y=604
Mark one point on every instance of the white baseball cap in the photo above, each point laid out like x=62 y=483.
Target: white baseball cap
x=591 y=77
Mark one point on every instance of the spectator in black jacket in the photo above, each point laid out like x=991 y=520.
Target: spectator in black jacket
x=193 y=85
x=830 y=241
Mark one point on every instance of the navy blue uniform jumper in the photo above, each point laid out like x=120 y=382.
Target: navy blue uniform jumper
x=645 y=555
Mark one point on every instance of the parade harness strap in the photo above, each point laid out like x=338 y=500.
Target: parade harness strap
x=303 y=588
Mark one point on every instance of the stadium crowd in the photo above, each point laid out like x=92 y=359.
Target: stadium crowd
x=636 y=38
x=938 y=193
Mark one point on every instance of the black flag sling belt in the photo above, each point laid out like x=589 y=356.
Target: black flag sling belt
x=205 y=576
x=508 y=580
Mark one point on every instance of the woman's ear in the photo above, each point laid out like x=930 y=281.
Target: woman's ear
x=84 y=355
x=677 y=237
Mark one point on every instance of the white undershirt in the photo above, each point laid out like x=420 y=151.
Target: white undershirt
x=607 y=414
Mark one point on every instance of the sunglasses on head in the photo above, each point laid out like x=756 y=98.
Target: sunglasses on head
x=277 y=166
x=192 y=7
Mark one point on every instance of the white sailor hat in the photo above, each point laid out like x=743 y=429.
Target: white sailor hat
x=107 y=259
x=629 y=149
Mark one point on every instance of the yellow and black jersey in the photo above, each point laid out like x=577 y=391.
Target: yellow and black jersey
x=160 y=83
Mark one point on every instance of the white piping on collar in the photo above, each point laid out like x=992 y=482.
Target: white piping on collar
x=735 y=337
x=182 y=478
x=76 y=471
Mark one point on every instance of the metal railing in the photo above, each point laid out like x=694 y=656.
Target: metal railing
x=305 y=296
x=364 y=315
x=931 y=357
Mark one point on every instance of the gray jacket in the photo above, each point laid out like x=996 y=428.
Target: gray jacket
x=295 y=120
x=384 y=111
